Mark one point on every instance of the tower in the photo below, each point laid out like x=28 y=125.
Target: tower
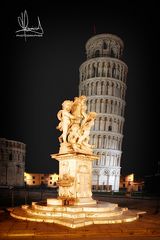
x=12 y=162
x=103 y=80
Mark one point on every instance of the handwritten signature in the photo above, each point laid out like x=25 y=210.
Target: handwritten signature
x=28 y=31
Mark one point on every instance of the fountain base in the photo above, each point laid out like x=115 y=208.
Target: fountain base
x=74 y=216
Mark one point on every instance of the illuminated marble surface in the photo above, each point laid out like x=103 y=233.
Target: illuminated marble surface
x=75 y=171
x=75 y=216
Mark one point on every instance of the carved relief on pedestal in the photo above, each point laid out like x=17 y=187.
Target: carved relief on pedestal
x=65 y=181
x=83 y=181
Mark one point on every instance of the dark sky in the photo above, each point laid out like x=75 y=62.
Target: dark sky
x=39 y=74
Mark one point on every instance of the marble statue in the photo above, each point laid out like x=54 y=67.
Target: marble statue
x=75 y=124
x=65 y=119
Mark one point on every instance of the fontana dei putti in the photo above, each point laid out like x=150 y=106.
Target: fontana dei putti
x=74 y=206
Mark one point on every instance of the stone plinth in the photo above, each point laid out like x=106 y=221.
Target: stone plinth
x=75 y=171
x=75 y=216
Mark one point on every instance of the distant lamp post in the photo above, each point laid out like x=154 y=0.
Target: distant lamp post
x=25 y=194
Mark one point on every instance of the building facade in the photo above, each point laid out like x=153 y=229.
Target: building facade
x=41 y=179
x=103 y=80
x=12 y=162
x=130 y=184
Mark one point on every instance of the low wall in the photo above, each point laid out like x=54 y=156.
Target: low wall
x=15 y=197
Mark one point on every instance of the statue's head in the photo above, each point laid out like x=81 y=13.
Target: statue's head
x=67 y=104
x=83 y=98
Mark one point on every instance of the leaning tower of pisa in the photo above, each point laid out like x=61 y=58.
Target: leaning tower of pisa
x=103 y=80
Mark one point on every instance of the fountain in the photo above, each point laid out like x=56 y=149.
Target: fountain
x=74 y=206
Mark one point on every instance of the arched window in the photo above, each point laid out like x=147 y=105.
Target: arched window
x=97 y=54
x=104 y=45
x=2 y=154
x=109 y=128
x=112 y=53
x=10 y=157
x=113 y=71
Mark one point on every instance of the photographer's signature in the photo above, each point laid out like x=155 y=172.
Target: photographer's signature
x=26 y=31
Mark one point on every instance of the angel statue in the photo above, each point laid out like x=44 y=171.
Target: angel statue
x=75 y=125
x=65 y=117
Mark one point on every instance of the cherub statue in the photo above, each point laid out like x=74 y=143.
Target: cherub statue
x=86 y=127
x=78 y=109
x=75 y=125
x=65 y=117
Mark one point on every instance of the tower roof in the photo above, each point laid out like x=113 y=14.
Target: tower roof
x=104 y=36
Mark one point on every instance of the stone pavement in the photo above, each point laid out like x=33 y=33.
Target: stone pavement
x=147 y=227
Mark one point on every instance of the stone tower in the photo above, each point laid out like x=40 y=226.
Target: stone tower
x=103 y=80
x=12 y=162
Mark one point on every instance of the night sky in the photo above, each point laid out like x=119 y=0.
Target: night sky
x=39 y=74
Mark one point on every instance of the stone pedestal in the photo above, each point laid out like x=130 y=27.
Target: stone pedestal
x=75 y=172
